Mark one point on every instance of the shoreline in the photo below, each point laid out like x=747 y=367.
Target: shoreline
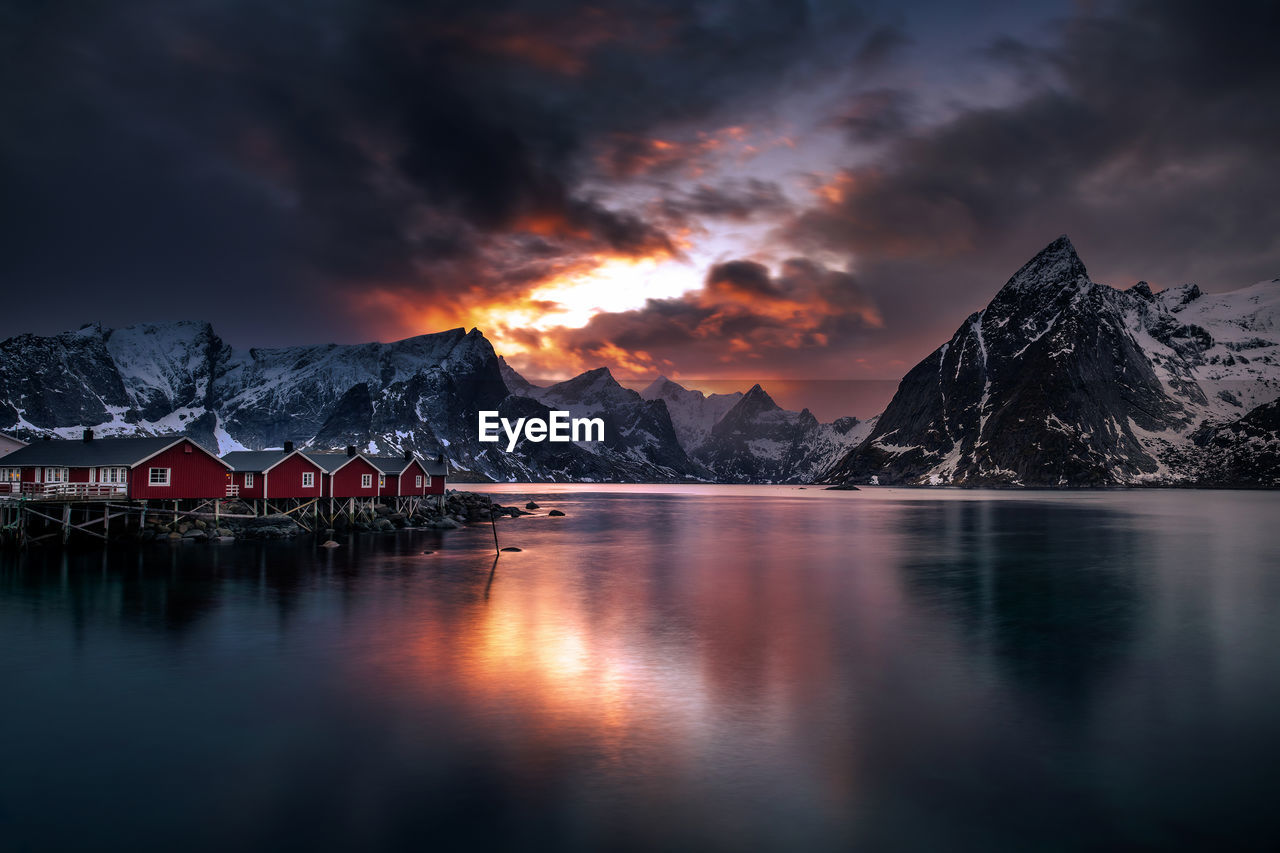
x=181 y=527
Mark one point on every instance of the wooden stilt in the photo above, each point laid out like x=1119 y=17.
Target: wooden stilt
x=493 y=524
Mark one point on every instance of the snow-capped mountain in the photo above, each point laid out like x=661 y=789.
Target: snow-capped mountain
x=1061 y=381
x=693 y=413
x=757 y=441
x=635 y=428
x=422 y=393
x=419 y=394
x=726 y=438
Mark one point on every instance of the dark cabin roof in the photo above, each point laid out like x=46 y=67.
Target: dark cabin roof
x=397 y=464
x=256 y=460
x=331 y=462
x=390 y=464
x=76 y=453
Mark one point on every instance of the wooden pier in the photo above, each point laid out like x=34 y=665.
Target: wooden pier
x=31 y=517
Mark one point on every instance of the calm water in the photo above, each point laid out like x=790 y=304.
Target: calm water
x=700 y=669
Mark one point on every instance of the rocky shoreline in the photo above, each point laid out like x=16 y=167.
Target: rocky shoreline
x=459 y=508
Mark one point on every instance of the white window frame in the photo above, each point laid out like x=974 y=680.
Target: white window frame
x=366 y=481
x=248 y=479
x=308 y=479
x=382 y=480
x=151 y=477
x=54 y=474
x=10 y=475
x=417 y=481
x=113 y=475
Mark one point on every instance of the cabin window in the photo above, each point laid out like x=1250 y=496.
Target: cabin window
x=113 y=475
x=308 y=479
x=10 y=475
x=158 y=477
x=417 y=482
x=248 y=481
x=382 y=480
x=366 y=481
x=55 y=475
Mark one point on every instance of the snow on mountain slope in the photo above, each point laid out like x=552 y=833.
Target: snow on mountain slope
x=635 y=428
x=1061 y=381
x=693 y=413
x=757 y=441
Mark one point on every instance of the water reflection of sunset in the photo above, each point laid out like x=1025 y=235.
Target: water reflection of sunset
x=691 y=670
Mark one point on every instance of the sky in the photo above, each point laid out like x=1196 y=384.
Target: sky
x=730 y=191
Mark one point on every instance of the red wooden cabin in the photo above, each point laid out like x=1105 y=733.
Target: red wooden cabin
x=403 y=476
x=275 y=474
x=348 y=475
x=169 y=467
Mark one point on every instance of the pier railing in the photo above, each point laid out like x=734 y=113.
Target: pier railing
x=63 y=491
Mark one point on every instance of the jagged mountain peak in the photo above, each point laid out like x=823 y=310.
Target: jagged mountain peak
x=1060 y=381
x=757 y=396
x=663 y=386
x=515 y=383
x=1053 y=268
x=591 y=381
x=754 y=403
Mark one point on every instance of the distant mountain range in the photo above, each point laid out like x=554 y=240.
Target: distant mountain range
x=1059 y=382
x=420 y=394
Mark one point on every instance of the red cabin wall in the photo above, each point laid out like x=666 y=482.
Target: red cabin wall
x=407 y=487
x=78 y=475
x=285 y=480
x=250 y=492
x=191 y=475
x=345 y=483
x=437 y=485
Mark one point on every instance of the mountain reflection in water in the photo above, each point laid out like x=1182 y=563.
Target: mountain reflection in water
x=675 y=668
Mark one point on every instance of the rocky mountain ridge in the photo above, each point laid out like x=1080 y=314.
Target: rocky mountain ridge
x=420 y=394
x=1061 y=381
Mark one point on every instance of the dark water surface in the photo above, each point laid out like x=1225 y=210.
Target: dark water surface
x=700 y=669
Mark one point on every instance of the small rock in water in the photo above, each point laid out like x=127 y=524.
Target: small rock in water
x=512 y=548
x=555 y=512
x=531 y=505
x=329 y=543
x=847 y=487
x=428 y=552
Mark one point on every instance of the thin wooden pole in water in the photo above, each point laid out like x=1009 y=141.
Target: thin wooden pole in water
x=493 y=525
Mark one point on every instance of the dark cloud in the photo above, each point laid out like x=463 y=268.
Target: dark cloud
x=737 y=200
x=243 y=161
x=275 y=149
x=1150 y=139
x=876 y=115
x=743 y=315
x=881 y=45
x=746 y=278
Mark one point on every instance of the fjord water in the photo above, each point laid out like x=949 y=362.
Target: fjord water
x=714 y=668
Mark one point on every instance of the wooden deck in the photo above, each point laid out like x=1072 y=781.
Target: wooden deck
x=73 y=491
